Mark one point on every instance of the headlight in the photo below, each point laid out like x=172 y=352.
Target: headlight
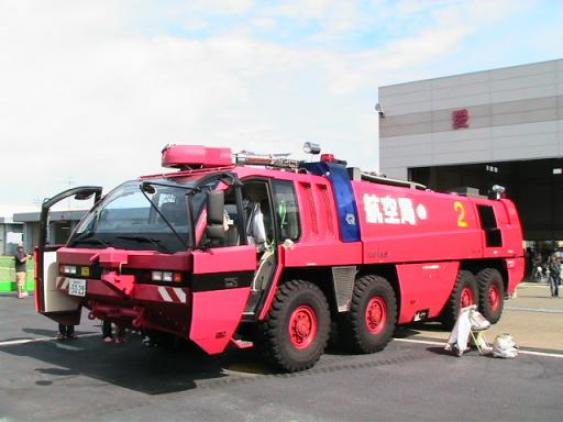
x=166 y=276
x=68 y=269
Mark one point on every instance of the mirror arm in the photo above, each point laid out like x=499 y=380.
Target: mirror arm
x=240 y=208
x=191 y=219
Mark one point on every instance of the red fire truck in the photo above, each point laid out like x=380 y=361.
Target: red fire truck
x=246 y=249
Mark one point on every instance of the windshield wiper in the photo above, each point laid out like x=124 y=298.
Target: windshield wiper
x=147 y=186
x=141 y=239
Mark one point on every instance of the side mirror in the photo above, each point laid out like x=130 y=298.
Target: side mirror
x=148 y=187
x=215 y=215
x=83 y=195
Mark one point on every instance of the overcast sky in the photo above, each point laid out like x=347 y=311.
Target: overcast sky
x=90 y=91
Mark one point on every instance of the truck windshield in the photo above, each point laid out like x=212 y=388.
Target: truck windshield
x=126 y=219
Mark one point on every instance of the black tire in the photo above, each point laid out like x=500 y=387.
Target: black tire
x=465 y=280
x=357 y=335
x=291 y=353
x=491 y=285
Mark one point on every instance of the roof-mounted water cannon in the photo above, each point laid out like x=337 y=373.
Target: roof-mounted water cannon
x=267 y=160
x=195 y=156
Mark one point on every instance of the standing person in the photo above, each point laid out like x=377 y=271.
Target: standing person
x=21 y=259
x=555 y=274
x=66 y=332
x=106 y=331
x=108 y=335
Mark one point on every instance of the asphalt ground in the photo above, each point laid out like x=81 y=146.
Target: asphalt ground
x=413 y=378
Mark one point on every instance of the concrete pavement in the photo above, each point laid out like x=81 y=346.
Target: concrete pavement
x=534 y=318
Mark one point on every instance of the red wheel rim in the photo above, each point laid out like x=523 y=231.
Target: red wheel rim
x=467 y=297
x=494 y=297
x=303 y=327
x=376 y=315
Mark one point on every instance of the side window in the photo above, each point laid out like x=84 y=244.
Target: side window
x=493 y=234
x=258 y=213
x=287 y=210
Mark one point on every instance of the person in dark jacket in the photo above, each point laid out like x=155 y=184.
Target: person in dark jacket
x=555 y=274
x=21 y=259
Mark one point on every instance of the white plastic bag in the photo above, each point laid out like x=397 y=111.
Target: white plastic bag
x=469 y=319
x=459 y=336
x=505 y=347
x=478 y=321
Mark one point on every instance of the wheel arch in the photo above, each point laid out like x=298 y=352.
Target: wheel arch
x=389 y=272
x=322 y=278
x=319 y=276
x=477 y=265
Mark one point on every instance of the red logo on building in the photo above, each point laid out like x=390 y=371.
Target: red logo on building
x=460 y=118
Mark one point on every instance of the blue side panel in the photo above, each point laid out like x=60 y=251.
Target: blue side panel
x=345 y=201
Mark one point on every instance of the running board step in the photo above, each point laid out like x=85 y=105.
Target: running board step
x=242 y=344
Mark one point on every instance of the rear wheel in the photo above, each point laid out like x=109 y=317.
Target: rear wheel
x=465 y=293
x=297 y=329
x=491 y=294
x=370 y=324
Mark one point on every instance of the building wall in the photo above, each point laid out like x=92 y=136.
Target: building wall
x=7 y=248
x=515 y=113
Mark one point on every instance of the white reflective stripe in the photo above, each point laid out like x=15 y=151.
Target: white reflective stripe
x=180 y=293
x=164 y=293
x=431 y=267
x=65 y=284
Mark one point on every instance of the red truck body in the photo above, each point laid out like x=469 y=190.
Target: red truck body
x=340 y=246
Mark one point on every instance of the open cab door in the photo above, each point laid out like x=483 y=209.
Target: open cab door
x=49 y=300
x=221 y=281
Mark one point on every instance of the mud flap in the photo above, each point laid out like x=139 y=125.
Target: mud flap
x=221 y=287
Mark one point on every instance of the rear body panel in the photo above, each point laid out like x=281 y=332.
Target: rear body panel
x=425 y=287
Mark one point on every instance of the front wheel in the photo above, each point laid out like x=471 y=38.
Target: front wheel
x=370 y=324
x=297 y=329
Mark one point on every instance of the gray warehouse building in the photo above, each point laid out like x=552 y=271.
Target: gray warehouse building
x=61 y=224
x=502 y=126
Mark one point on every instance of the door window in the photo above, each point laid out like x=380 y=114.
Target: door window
x=287 y=210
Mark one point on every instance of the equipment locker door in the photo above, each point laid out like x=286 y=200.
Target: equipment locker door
x=49 y=300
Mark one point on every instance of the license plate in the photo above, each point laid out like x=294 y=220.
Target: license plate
x=77 y=287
